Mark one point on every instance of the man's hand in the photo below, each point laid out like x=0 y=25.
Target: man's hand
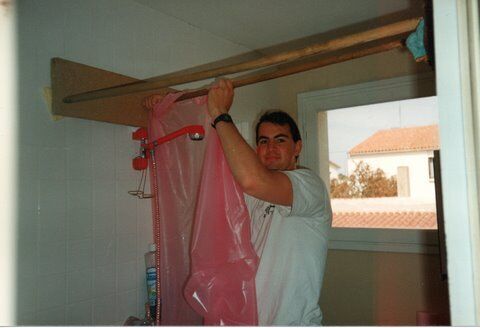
x=220 y=98
x=150 y=101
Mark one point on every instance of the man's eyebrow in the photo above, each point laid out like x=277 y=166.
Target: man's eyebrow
x=281 y=135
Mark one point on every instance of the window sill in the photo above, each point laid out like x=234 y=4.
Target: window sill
x=384 y=240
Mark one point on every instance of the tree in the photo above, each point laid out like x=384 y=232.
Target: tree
x=363 y=183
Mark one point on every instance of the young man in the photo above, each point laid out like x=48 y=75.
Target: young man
x=289 y=209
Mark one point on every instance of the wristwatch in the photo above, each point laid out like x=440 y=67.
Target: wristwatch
x=222 y=118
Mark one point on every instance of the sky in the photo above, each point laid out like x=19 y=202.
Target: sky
x=347 y=127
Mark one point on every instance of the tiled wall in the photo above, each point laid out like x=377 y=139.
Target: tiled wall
x=81 y=237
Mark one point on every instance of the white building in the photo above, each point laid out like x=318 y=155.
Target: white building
x=333 y=170
x=404 y=152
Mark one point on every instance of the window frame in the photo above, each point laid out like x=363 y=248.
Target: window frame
x=431 y=173
x=310 y=104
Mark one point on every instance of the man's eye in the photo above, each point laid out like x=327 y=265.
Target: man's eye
x=280 y=140
x=262 y=142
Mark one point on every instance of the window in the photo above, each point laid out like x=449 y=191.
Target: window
x=315 y=134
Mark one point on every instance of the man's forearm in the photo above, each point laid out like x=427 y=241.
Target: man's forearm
x=244 y=163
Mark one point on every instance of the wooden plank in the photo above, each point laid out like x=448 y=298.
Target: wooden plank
x=280 y=58
x=295 y=67
x=69 y=77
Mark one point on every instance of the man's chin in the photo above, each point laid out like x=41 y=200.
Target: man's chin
x=275 y=167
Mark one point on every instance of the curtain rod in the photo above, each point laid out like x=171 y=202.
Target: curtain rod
x=294 y=68
x=180 y=77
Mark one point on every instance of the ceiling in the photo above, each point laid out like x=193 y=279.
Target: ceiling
x=258 y=24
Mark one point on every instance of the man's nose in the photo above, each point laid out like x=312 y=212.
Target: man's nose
x=271 y=145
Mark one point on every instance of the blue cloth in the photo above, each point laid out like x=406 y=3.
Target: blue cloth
x=415 y=41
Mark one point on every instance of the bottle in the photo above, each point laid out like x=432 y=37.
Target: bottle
x=151 y=272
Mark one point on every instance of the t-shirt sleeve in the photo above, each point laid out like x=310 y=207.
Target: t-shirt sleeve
x=310 y=196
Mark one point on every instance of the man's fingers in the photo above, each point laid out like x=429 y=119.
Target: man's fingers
x=150 y=101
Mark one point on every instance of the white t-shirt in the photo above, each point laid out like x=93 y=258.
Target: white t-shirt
x=291 y=243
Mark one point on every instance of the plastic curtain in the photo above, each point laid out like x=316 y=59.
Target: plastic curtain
x=204 y=223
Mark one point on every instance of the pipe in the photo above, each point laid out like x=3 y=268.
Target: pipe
x=176 y=78
x=195 y=132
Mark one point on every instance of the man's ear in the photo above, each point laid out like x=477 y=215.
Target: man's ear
x=298 y=148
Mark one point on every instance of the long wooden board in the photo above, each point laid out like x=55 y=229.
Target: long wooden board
x=69 y=77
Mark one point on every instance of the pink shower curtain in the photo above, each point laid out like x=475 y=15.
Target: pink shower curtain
x=205 y=251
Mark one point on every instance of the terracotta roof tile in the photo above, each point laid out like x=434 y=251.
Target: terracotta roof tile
x=399 y=140
x=390 y=220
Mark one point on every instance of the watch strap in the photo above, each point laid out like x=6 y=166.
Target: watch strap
x=225 y=117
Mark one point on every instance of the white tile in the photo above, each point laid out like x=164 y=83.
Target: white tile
x=52 y=163
x=79 y=14
x=127 y=216
x=51 y=291
x=142 y=299
x=104 y=52
x=104 y=280
x=103 y=20
x=126 y=305
x=78 y=47
x=51 y=257
x=26 y=292
x=52 y=195
x=79 y=194
x=104 y=164
x=51 y=317
x=28 y=163
x=27 y=224
x=80 y=255
x=123 y=138
x=104 y=195
x=143 y=242
x=103 y=134
x=123 y=168
x=80 y=224
x=28 y=195
x=50 y=23
x=27 y=247
x=105 y=251
x=78 y=133
x=47 y=132
x=141 y=279
x=52 y=226
x=125 y=202
x=80 y=314
x=79 y=286
x=28 y=131
x=26 y=318
x=27 y=257
x=104 y=311
x=126 y=248
x=126 y=276
x=104 y=222
x=79 y=163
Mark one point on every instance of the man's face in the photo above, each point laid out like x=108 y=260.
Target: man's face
x=276 y=148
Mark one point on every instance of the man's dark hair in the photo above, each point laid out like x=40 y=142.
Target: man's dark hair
x=281 y=118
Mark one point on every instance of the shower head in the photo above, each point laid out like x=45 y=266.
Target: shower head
x=196 y=132
x=196 y=136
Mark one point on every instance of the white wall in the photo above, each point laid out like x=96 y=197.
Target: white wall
x=81 y=237
x=421 y=186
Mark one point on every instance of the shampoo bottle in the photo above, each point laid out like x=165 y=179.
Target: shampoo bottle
x=151 y=280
